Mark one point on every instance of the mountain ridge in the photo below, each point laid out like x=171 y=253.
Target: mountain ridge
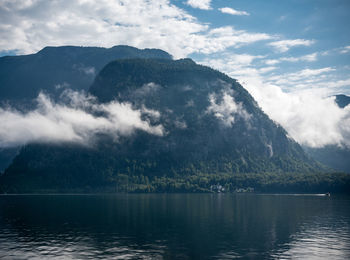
x=22 y=77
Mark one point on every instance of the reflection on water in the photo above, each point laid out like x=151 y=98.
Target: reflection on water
x=182 y=226
x=322 y=237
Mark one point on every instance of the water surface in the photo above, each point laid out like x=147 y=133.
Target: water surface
x=174 y=226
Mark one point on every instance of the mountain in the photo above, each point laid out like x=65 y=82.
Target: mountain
x=334 y=156
x=342 y=100
x=52 y=68
x=195 y=103
x=6 y=156
x=211 y=127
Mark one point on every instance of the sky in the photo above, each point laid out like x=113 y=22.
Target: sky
x=292 y=55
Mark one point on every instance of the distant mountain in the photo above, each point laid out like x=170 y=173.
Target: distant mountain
x=342 y=100
x=52 y=68
x=334 y=156
x=212 y=126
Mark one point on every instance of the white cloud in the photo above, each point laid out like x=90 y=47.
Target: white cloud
x=271 y=62
x=306 y=78
x=336 y=51
x=144 y=24
x=313 y=72
x=309 y=116
x=201 y=4
x=229 y=62
x=146 y=89
x=225 y=37
x=344 y=50
x=87 y=70
x=338 y=83
x=77 y=120
x=310 y=57
x=285 y=45
x=226 y=109
x=267 y=69
x=238 y=66
x=228 y=10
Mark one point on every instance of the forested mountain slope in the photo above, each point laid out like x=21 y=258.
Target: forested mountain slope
x=210 y=125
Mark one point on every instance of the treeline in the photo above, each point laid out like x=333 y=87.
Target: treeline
x=208 y=183
x=240 y=182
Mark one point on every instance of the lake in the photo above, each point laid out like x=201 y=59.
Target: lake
x=174 y=226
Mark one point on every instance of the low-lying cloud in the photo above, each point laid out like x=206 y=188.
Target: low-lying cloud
x=311 y=117
x=226 y=109
x=78 y=120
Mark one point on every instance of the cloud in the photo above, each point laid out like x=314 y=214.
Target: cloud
x=225 y=37
x=336 y=51
x=256 y=68
x=344 y=50
x=310 y=57
x=146 y=89
x=228 y=62
x=78 y=120
x=86 y=70
x=200 y=4
x=310 y=116
x=267 y=69
x=228 y=10
x=226 y=109
x=271 y=61
x=303 y=79
x=306 y=73
x=338 y=83
x=31 y=25
x=312 y=72
x=285 y=45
